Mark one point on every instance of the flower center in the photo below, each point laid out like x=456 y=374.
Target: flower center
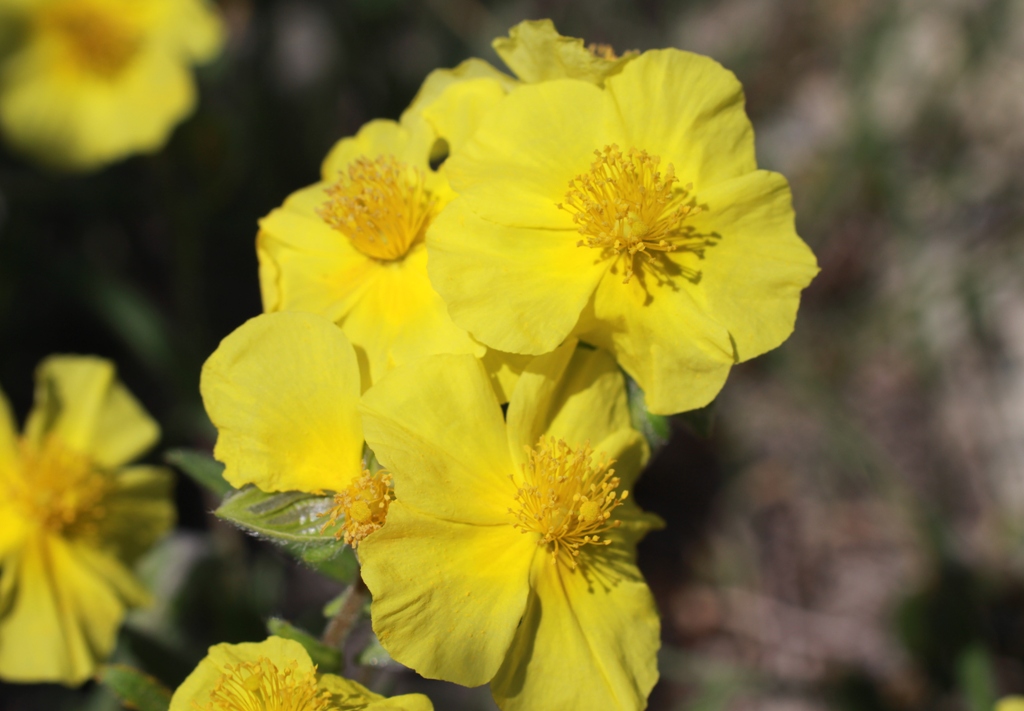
x=362 y=507
x=262 y=686
x=381 y=205
x=567 y=498
x=59 y=488
x=98 y=37
x=625 y=207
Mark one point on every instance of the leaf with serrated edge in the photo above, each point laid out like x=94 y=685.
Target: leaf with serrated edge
x=291 y=519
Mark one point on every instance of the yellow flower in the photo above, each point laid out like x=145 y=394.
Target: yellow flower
x=72 y=519
x=283 y=391
x=93 y=81
x=508 y=555
x=277 y=675
x=351 y=248
x=1010 y=703
x=633 y=216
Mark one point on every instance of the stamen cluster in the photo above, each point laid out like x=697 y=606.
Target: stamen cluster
x=99 y=40
x=625 y=206
x=567 y=498
x=262 y=686
x=362 y=507
x=381 y=205
x=59 y=488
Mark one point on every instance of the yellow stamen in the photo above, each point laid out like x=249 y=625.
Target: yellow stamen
x=567 y=498
x=59 y=488
x=262 y=686
x=625 y=207
x=381 y=205
x=96 y=36
x=362 y=508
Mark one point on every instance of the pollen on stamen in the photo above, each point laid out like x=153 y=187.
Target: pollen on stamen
x=361 y=508
x=625 y=207
x=567 y=496
x=263 y=686
x=382 y=205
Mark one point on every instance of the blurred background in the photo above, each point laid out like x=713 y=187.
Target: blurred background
x=844 y=524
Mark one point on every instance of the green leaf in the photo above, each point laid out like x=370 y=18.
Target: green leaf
x=654 y=427
x=135 y=689
x=292 y=520
x=327 y=659
x=976 y=678
x=201 y=467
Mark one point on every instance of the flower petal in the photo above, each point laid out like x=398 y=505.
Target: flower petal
x=79 y=401
x=440 y=79
x=9 y=454
x=630 y=451
x=124 y=430
x=575 y=394
x=753 y=275
x=399 y=317
x=447 y=596
x=305 y=264
x=70 y=604
x=516 y=169
x=139 y=511
x=660 y=334
x=353 y=696
x=514 y=289
x=282 y=391
x=504 y=369
x=437 y=426
x=535 y=52
x=589 y=640
x=456 y=114
x=379 y=137
x=687 y=109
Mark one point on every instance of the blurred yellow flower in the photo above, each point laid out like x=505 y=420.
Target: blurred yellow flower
x=351 y=248
x=1010 y=703
x=277 y=675
x=633 y=216
x=93 y=81
x=72 y=519
x=508 y=555
x=283 y=391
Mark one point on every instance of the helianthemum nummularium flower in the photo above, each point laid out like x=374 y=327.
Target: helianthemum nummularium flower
x=72 y=519
x=283 y=391
x=633 y=216
x=351 y=248
x=93 y=81
x=277 y=675
x=508 y=555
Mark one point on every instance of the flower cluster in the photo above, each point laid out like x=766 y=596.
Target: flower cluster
x=464 y=292
x=453 y=313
